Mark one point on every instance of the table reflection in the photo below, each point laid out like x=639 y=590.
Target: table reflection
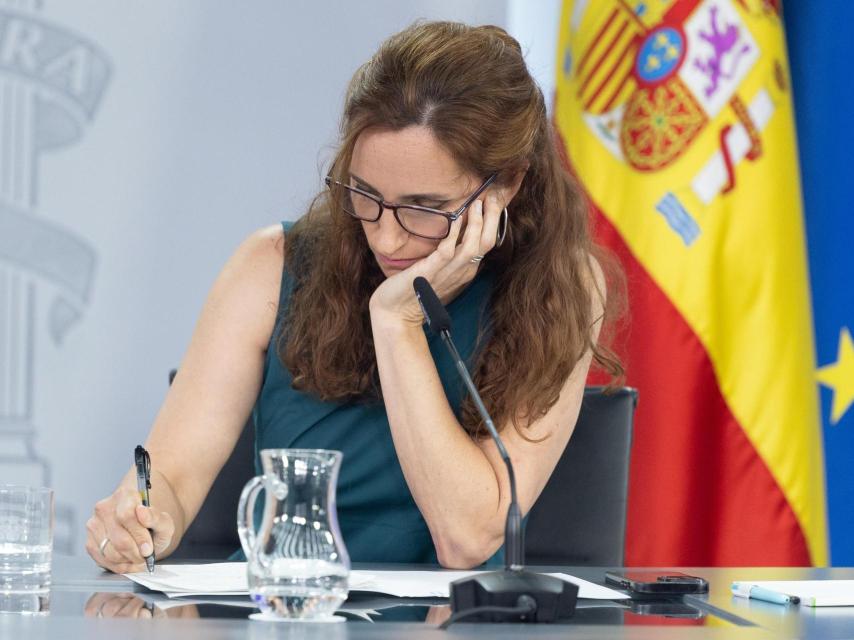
x=432 y=612
x=154 y=605
x=130 y=605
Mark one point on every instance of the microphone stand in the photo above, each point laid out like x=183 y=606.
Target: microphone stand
x=514 y=594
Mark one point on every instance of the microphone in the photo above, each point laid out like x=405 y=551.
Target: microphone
x=512 y=595
x=433 y=309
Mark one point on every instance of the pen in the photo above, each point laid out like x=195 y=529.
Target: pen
x=143 y=483
x=761 y=593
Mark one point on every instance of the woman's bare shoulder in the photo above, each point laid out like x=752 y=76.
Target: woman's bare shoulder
x=260 y=256
x=246 y=293
x=266 y=243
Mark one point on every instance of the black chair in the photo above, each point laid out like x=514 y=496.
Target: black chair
x=579 y=518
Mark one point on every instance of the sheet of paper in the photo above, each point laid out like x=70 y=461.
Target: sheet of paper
x=425 y=584
x=200 y=594
x=230 y=578
x=199 y=579
x=592 y=590
x=813 y=593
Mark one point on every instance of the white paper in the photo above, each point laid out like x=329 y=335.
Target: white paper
x=218 y=578
x=591 y=589
x=426 y=584
x=813 y=593
x=230 y=578
x=199 y=594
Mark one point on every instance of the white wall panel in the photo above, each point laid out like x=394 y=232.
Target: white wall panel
x=140 y=142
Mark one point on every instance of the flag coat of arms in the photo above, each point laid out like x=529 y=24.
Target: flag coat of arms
x=676 y=116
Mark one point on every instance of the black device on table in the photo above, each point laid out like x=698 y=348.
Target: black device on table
x=651 y=583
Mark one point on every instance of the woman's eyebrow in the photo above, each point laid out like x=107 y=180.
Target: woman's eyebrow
x=411 y=196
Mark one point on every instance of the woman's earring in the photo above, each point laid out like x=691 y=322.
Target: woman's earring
x=502 y=228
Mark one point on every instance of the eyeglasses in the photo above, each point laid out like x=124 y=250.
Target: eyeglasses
x=424 y=222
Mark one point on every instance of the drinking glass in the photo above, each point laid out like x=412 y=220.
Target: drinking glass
x=26 y=542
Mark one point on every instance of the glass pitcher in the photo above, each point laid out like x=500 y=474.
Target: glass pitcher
x=296 y=561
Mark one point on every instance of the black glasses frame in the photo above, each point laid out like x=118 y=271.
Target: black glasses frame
x=450 y=216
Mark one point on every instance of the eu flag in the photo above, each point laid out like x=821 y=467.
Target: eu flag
x=819 y=36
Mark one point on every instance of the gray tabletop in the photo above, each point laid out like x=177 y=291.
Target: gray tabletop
x=783 y=621
x=81 y=593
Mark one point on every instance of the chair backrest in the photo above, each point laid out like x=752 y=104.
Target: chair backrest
x=580 y=517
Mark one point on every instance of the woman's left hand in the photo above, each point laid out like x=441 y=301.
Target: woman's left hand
x=448 y=269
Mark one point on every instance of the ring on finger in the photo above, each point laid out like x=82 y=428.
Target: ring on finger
x=477 y=259
x=103 y=545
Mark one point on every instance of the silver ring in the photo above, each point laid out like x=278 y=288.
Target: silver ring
x=476 y=259
x=103 y=545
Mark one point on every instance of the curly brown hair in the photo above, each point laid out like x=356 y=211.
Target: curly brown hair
x=471 y=88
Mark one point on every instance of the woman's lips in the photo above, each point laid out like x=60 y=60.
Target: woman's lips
x=395 y=264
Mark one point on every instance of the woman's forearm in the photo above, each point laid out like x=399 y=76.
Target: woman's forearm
x=451 y=480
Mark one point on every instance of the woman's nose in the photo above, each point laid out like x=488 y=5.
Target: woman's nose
x=390 y=235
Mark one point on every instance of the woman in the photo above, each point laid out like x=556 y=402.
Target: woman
x=447 y=169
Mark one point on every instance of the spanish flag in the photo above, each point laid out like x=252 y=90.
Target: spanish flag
x=676 y=117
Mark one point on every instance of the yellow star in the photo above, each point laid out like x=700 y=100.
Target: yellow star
x=840 y=377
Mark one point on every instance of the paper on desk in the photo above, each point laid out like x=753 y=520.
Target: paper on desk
x=218 y=578
x=425 y=584
x=230 y=578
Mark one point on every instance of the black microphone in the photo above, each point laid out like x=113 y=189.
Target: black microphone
x=511 y=595
x=435 y=312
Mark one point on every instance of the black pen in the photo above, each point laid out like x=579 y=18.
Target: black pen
x=143 y=483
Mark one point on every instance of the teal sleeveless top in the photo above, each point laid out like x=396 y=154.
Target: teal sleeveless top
x=379 y=519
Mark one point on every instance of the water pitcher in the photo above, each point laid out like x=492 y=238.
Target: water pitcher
x=296 y=560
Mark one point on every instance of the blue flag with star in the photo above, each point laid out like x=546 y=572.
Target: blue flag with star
x=819 y=36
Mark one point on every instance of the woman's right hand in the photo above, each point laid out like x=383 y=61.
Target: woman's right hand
x=118 y=537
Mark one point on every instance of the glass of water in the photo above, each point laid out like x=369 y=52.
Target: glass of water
x=26 y=542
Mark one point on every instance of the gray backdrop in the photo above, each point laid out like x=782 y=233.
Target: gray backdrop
x=140 y=142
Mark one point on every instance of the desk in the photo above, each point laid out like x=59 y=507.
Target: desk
x=785 y=622
x=76 y=580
